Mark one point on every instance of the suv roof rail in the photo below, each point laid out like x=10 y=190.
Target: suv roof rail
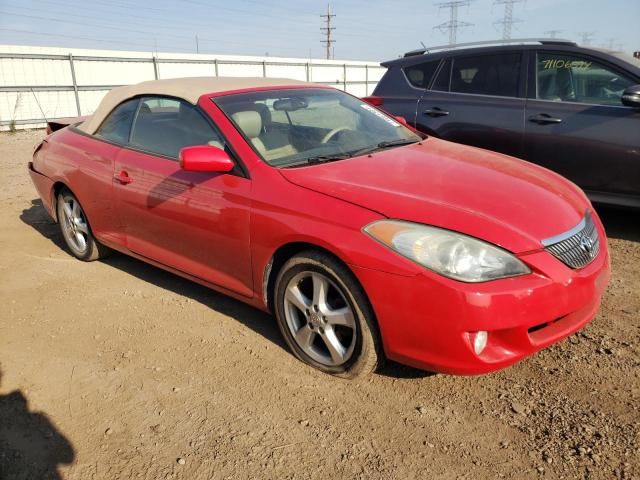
x=511 y=41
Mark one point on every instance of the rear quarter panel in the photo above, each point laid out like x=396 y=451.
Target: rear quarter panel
x=85 y=166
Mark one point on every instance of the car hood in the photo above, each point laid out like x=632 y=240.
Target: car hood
x=500 y=199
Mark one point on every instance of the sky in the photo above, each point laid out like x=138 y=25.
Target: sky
x=373 y=30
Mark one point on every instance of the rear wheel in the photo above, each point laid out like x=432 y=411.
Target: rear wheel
x=76 y=230
x=325 y=316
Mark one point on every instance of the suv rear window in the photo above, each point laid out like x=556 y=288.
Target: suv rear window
x=420 y=75
x=492 y=74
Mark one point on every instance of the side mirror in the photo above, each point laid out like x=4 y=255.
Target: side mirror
x=205 y=158
x=631 y=96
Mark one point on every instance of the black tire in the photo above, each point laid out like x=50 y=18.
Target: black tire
x=366 y=354
x=72 y=231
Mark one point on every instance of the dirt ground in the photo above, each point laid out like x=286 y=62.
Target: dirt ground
x=116 y=369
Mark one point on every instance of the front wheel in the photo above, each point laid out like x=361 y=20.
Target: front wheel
x=76 y=230
x=325 y=316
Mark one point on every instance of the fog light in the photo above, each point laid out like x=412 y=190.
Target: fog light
x=480 y=341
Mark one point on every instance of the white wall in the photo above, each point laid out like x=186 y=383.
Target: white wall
x=109 y=68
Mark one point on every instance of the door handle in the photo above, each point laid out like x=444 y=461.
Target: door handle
x=435 y=112
x=544 y=119
x=123 y=178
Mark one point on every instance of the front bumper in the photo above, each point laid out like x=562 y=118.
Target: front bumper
x=428 y=321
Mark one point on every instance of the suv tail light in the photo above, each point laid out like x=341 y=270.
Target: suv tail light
x=375 y=101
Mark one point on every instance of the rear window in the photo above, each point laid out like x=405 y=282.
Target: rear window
x=492 y=74
x=117 y=125
x=420 y=75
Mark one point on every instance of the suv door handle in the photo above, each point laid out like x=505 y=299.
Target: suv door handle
x=435 y=112
x=544 y=119
x=123 y=178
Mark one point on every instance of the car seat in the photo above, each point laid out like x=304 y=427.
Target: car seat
x=250 y=122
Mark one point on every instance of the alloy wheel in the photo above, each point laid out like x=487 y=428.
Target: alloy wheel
x=74 y=224
x=320 y=318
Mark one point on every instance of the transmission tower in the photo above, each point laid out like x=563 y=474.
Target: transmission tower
x=507 y=20
x=586 y=38
x=552 y=33
x=611 y=43
x=453 y=25
x=328 y=31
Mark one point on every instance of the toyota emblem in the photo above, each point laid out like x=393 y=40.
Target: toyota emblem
x=586 y=244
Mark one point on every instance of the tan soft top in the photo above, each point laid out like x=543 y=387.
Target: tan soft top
x=189 y=89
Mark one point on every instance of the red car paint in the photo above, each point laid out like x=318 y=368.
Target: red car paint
x=222 y=230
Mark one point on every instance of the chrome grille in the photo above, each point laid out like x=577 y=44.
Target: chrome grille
x=577 y=247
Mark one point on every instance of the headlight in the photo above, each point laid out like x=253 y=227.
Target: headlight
x=448 y=253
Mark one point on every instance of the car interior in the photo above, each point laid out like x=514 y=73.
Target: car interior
x=168 y=129
x=268 y=138
x=276 y=140
x=485 y=77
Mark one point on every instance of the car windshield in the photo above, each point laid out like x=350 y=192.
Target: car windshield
x=292 y=127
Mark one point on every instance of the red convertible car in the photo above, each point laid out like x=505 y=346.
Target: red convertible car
x=366 y=240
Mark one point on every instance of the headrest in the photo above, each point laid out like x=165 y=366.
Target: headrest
x=264 y=112
x=249 y=122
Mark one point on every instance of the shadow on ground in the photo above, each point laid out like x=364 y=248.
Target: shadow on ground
x=262 y=323
x=620 y=223
x=30 y=445
x=37 y=217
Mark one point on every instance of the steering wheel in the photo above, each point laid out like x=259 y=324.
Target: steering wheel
x=333 y=133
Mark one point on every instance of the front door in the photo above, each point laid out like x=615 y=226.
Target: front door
x=195 y=222
x=577 y=125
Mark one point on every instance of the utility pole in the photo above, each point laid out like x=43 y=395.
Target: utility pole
x=453 y=25
x=507 y=20
x=197 y=45
x=328 y=31
x=586 y=38
x=552 y=33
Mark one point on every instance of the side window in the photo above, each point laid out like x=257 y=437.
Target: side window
x=571 y=78
x=420 y=75
x=441 y=82
x=164 y=126
x=117 y=125
x=491 y=74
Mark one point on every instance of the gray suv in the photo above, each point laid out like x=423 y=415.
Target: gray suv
x=571 y=109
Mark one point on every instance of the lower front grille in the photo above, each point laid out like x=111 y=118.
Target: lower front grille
x=578 y=247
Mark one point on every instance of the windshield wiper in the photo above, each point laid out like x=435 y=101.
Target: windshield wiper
x=396 y=143
x=383 y=145
x=328 y=158
x=320 y=159
x=343 y=155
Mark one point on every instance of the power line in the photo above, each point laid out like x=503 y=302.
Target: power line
x=78 y=37
x=150 y=21
x=453 y=25
x=156 y=27
x=507 y=19
x=328 y=30
x=134 y=31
